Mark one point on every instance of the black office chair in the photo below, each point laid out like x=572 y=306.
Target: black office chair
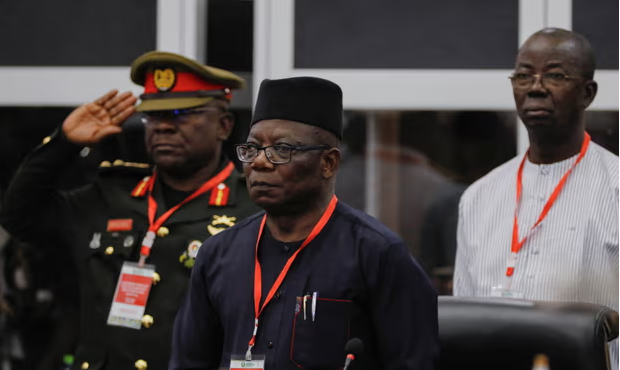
x=506 y=334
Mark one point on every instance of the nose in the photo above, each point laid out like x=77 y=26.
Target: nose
x=163 y=125
x=261 y=161
x=537 y=88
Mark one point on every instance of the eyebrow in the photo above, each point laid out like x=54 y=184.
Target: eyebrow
x=278 y=139
x=553 y=64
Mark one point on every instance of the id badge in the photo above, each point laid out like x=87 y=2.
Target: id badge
x=132 y=292
x=238 y=362
x=501 y=292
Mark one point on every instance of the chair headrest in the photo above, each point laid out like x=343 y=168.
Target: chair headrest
x=508 y=333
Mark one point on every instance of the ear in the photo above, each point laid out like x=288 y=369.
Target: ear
x=330 y=162
x=590 y=90
x=226 y=124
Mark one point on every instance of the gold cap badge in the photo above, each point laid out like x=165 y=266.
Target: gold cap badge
x=164 y=79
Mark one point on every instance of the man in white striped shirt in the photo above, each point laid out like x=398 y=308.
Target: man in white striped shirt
x=545 y=226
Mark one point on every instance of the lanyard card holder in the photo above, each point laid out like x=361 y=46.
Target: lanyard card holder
x=239 y=362
x=132 y=292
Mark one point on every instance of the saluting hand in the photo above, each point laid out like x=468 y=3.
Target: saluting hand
x=89 y=123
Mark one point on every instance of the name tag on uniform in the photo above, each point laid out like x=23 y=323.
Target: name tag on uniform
x=500 y=292
x=122 y=224
x=132 y=292
x=238 y=362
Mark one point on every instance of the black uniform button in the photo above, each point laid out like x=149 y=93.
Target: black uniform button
x=278 y=294
x=286 y=248
x=270 y=345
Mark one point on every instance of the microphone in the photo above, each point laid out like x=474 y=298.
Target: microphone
x=354 y=348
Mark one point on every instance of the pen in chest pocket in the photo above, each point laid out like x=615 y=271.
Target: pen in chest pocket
x=297 y=306
x=305 y=301
x=315 y=296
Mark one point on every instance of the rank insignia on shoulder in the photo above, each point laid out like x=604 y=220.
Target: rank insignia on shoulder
x=221 y=223
x=189 y=256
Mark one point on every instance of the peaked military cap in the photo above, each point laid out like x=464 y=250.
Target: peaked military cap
x=172 y=81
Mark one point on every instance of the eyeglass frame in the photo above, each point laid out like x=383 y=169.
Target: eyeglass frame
x=292 y=148
x=174 y=114
x=533 y=77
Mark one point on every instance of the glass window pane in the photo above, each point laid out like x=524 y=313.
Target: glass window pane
x=76 y=33
x=603 y=127
x=423 y=162
x=230 y=34
x=595 y=19
x=406 y=34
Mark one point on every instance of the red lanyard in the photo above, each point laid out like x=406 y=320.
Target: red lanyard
x=516 y=244
x=154 y=225
x=258 y=286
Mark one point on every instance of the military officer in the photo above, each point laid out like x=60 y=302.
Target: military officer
x=137 y=228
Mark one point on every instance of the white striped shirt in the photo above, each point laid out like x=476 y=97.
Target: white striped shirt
x=571 y=256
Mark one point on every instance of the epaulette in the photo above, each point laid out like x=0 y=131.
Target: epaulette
x=122 y=168
x=121 y=163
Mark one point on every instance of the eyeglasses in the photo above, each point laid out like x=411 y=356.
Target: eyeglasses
x=523 y=80
x=276 y=154
x=175 y=116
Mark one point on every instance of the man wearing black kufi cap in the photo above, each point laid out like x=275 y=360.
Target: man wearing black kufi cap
x=157 y=215
x=291 y=286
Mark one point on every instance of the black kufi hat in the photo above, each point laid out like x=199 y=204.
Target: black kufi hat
x=310 y=100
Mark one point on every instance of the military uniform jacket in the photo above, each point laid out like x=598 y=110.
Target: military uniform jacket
x=34 y=210
x=367 y=285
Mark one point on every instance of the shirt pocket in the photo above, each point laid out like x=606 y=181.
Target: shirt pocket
x=320 y=344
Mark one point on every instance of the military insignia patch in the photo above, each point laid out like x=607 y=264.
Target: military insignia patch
x=142 y=187
x=128 y=242
x=192 y=249
x=221 y=223
x=164 y=79
x=219 y=195
x=189 y=256
x=96 y=241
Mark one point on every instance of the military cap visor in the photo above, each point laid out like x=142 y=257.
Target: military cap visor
x=172 y=81
x=170 y=104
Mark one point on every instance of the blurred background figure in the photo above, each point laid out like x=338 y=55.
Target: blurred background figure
x=40 y=314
